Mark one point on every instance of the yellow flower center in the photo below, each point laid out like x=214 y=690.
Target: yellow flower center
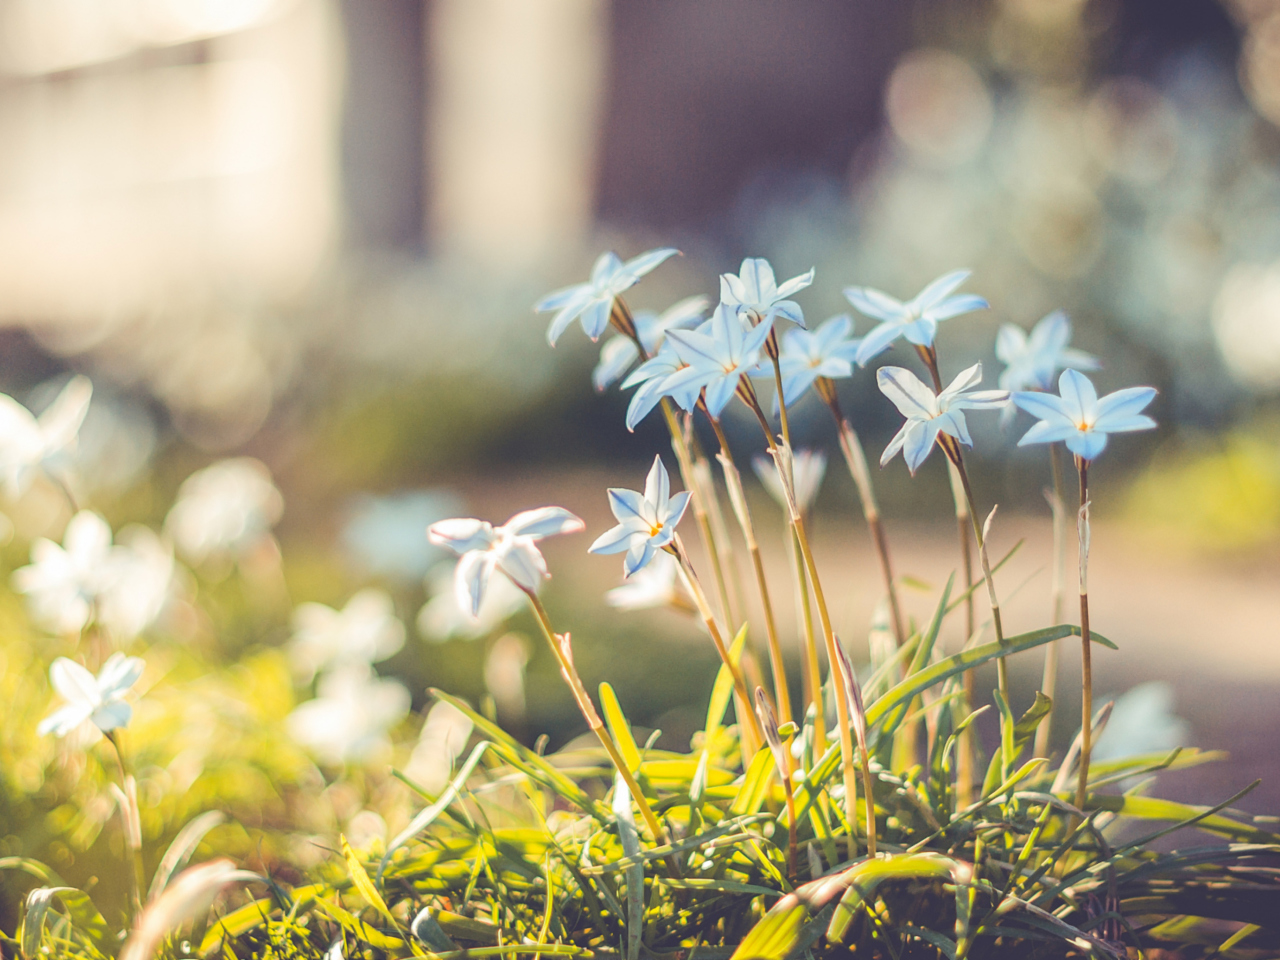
x=655 y=529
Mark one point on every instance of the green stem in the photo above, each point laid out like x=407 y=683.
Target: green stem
x=130 y=823
x=1086 y=662
x=1049 y=683
x=588 y=710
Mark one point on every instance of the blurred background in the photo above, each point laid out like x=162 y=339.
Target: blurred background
x=311 y=232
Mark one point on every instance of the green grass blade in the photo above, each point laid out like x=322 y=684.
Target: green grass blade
x=619 y=727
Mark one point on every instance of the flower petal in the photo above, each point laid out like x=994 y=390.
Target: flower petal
x=118 y=674
x=628 y=506
x=65 y=719
x=896 y=444
x=471 y=578
x=657 y=487
x=955 y=306
x=938 y=290
x=638 y=555
x=921 y=435
x=595 y=317
x=675 y=510
x=913 y=399
x=1049 y=431
x=719 y=392
x=795 y=285
x=614 y=540
x=1080 y=400
x=1045 y=406
x=877 y=341
x=639 y=266
x=616 y=356
x=875 y=304
x=543 y=522
x=1088 y=445
x=461 y=534
x=112 y=716
x=73 y=682
x=521 y=560
x=1121 y=405
x=560 y=323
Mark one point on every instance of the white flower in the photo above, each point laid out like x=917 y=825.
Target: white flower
x=756 y=294
x=100 y=698
x=619 y=353
x=228 y=507
x=718 y=354
x=1032 y=360
x=928 y=414
x=139 y=584
x=645 y=523
x=652 y=586
x=441 y=618
x=62 y=583
x=29 y=443
x=917 y=320
x=593 y=301
x=349 y=720
x=1080 y=418
x=808 y=467
x=365 y=631
x=510 y=548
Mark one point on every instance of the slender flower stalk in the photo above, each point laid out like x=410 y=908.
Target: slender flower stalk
x=1086 y=659
x=780 y=458
x=126 y=796
x=738 y=499
x=781 y=760
x=1057 y=597
x=858 y=713
x=562 y=649
x=856 y=460
x=752 y=735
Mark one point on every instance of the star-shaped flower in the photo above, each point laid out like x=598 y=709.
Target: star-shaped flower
x=100 y=698
x=365 y=631
x=917 y=319
x=592 y=302
x=1032 y=360
x=651 y=377
x=29 y=443
x=930 y=414
x=825 y=352
x=1079 y=417
x=62 y=583
x=757 y=296
x=510 y=548
x=646 y=523
x=718 y=353
x=619 y=353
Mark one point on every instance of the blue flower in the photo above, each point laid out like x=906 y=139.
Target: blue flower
x=652 y=376
x=646 y=523
x=928 y=414
x=718 y=354
x=510 y=548
x=757 y=296
x=1077 y=416
x=918 y=319
x=593 y=301
x=619 y=353
x=1032 y=360
x=825 y=352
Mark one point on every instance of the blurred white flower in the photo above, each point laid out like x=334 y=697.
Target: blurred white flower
x=365 y=631
x=124 y=588
x=100 y=698
x=444 y=736
x=228 y=507
x=442 y=618
x=29 y=443
x=349 y=720
x=808 y=467
x=653 y=585
x=139 y=582
x=62 y=583
x=504 y=675
x=1142 y=721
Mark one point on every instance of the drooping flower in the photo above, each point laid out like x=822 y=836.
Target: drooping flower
x=100 y=698
x=808 y=355
x=62 y=583
x=29 y=443
x=1031 y=360
x=365 y=631
x=228 y=507
x=619 y=353
x=652 y=586
x=646 y=523
x=1077 y=416
x=509 y=548
x=756 y=295
x=917 y=320
x=349 y=720
x=808 y=467
x=592 y=302
x=929 y=414
x=718 y=354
